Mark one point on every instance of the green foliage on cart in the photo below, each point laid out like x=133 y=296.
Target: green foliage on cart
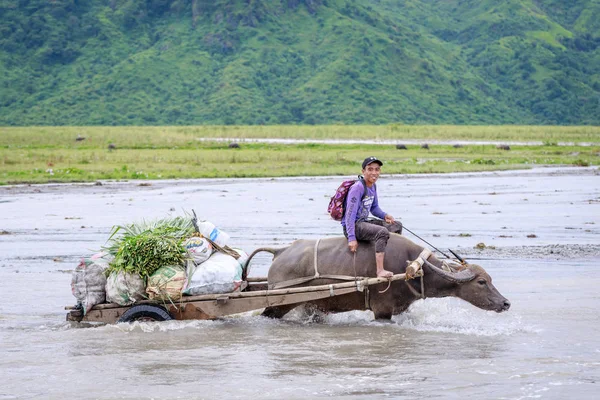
x=142 y=248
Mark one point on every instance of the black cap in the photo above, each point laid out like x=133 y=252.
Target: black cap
x=370 y=160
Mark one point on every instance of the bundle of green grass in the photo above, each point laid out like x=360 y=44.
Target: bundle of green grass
x=142 y=248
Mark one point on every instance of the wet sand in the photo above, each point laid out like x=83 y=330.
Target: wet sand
x=508 y=213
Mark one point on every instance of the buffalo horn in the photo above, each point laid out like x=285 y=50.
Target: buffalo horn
x=462 y=276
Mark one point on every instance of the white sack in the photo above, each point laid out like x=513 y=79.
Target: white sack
x=221 y=273
x=209 y=230
x=199 y=249
x=88 y=281
x=124 y=288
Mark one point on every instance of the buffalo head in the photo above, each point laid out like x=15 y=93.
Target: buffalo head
x=471 y=283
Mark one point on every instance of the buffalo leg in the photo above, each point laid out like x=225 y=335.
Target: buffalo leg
x=383 y=316
x=278 y=312
x=314 y=313
x=382 y=312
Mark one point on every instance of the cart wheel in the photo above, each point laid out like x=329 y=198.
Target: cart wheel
x=145 y=313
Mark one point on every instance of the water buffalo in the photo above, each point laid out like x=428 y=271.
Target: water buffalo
x=292 y=263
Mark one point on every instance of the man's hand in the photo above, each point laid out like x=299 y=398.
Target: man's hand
x=389 y=219
x=353 y=245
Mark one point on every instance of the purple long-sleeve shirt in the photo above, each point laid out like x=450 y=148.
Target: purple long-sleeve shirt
x=357 y=210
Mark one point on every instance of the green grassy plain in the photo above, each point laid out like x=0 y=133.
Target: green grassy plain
x=149 y=136
x=52 y=154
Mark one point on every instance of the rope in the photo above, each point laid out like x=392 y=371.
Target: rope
x=315 y=259
x=414 y=292
x=365 y=287
x=388 y=286
x=441 y=252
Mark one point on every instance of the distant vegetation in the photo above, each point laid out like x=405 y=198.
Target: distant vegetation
x=76 y=154
x=255 y=62
x=169 y=136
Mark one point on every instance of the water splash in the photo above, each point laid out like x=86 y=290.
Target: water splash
x=455 y=316
x=447 y=315
x=432 y=315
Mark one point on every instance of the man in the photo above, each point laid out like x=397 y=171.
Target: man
x=356 y=222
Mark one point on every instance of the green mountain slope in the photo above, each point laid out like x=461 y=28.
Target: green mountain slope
x=184 y=62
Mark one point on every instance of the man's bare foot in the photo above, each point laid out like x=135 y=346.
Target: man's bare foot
x=384 y=274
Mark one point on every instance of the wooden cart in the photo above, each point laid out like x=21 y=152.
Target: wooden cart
x=211 y=306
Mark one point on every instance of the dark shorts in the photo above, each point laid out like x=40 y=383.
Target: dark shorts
x=375 y=230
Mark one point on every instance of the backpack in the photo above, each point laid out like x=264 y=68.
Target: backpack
x=337 y=203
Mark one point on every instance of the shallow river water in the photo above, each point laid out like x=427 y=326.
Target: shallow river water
x=541 y=229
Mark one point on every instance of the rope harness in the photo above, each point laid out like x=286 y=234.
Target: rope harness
x=317 y=275
x=413 y=269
